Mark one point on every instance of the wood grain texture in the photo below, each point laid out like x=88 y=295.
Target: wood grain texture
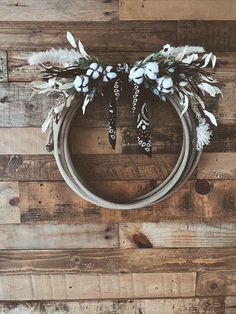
x=121 y=167
x=216 y=283
x=177 y=235
x=208 y=201
x=20 y=71
x=95 y=286
x=95 y=140
x=9 y=205
x=117 y=261
x=149 y=306
x=213 y=36
x=99 y=36
x=176 y=10
x=34 y=110
x=48 y=236
x=46 y=10
x=230 y=305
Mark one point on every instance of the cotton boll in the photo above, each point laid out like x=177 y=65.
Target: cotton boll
x=109 y=74
x=165 y=84
x=94 y=70
x=136 y=75
x=151 y=69
x=77 y=82
x=81 y=83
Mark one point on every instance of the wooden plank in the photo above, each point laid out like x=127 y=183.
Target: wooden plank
x=3 y=67
x=176 y=10
x=96 y=286
x=216 y=283
x=121 y=167
x=177 y=235
x=200 y=201
x=9 y=205
x=150 y=306
x=18 y=110
x=117 y=261
x=217 y=166
x=165 y=140
x=21 y=71
x=213 y=35
x=230 y=305
x=48 y=236
x=99 y=36
x=46 y=10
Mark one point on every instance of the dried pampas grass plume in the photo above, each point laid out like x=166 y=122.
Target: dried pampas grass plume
x=63 y=57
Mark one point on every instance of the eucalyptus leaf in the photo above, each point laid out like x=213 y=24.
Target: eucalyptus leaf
x=207 y=60
x=71 y=39
x=211 y=117
x=208 y=88
x=82 y=50
x=184 y=103
x=85 y=104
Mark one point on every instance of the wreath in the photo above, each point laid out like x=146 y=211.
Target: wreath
x=174 y=74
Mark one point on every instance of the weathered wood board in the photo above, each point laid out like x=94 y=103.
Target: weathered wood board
x=96 y=286
x=61 y=254
x=177 y=10
x=150 y=306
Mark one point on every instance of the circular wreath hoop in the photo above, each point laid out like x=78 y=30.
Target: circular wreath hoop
x=176 y=75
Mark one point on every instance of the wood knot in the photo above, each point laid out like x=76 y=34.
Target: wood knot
x=141 y=241
x=14 y=201
x=213 y=285
x=202 y=186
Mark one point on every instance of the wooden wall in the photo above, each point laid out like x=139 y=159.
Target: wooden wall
x=61 y=254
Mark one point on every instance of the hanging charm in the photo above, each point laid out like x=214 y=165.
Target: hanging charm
x=139 y=108
x=112 y=113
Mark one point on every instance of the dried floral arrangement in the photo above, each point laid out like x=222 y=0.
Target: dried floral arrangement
x=72 y=73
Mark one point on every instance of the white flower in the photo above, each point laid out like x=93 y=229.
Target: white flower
x=165 y=84
x=94 y=70
x=166 y=50
x=81 y=83
x=108 y=74
x=151 y=69
x=136 y=75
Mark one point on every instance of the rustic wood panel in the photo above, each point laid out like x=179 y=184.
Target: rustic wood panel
x=9 y=205
x=177 y=235
x=117 y=261
x=59 y=10
x=216 y=283
x=48 y=236
x=93 y=286
x=214 y=36
x=208 y=201
x=121 y=167
x=95 y=140
x=176 y=10
x=20 y=71
x=99 y=36
x=33 y=111
x=150 y=306
x=230 y=305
